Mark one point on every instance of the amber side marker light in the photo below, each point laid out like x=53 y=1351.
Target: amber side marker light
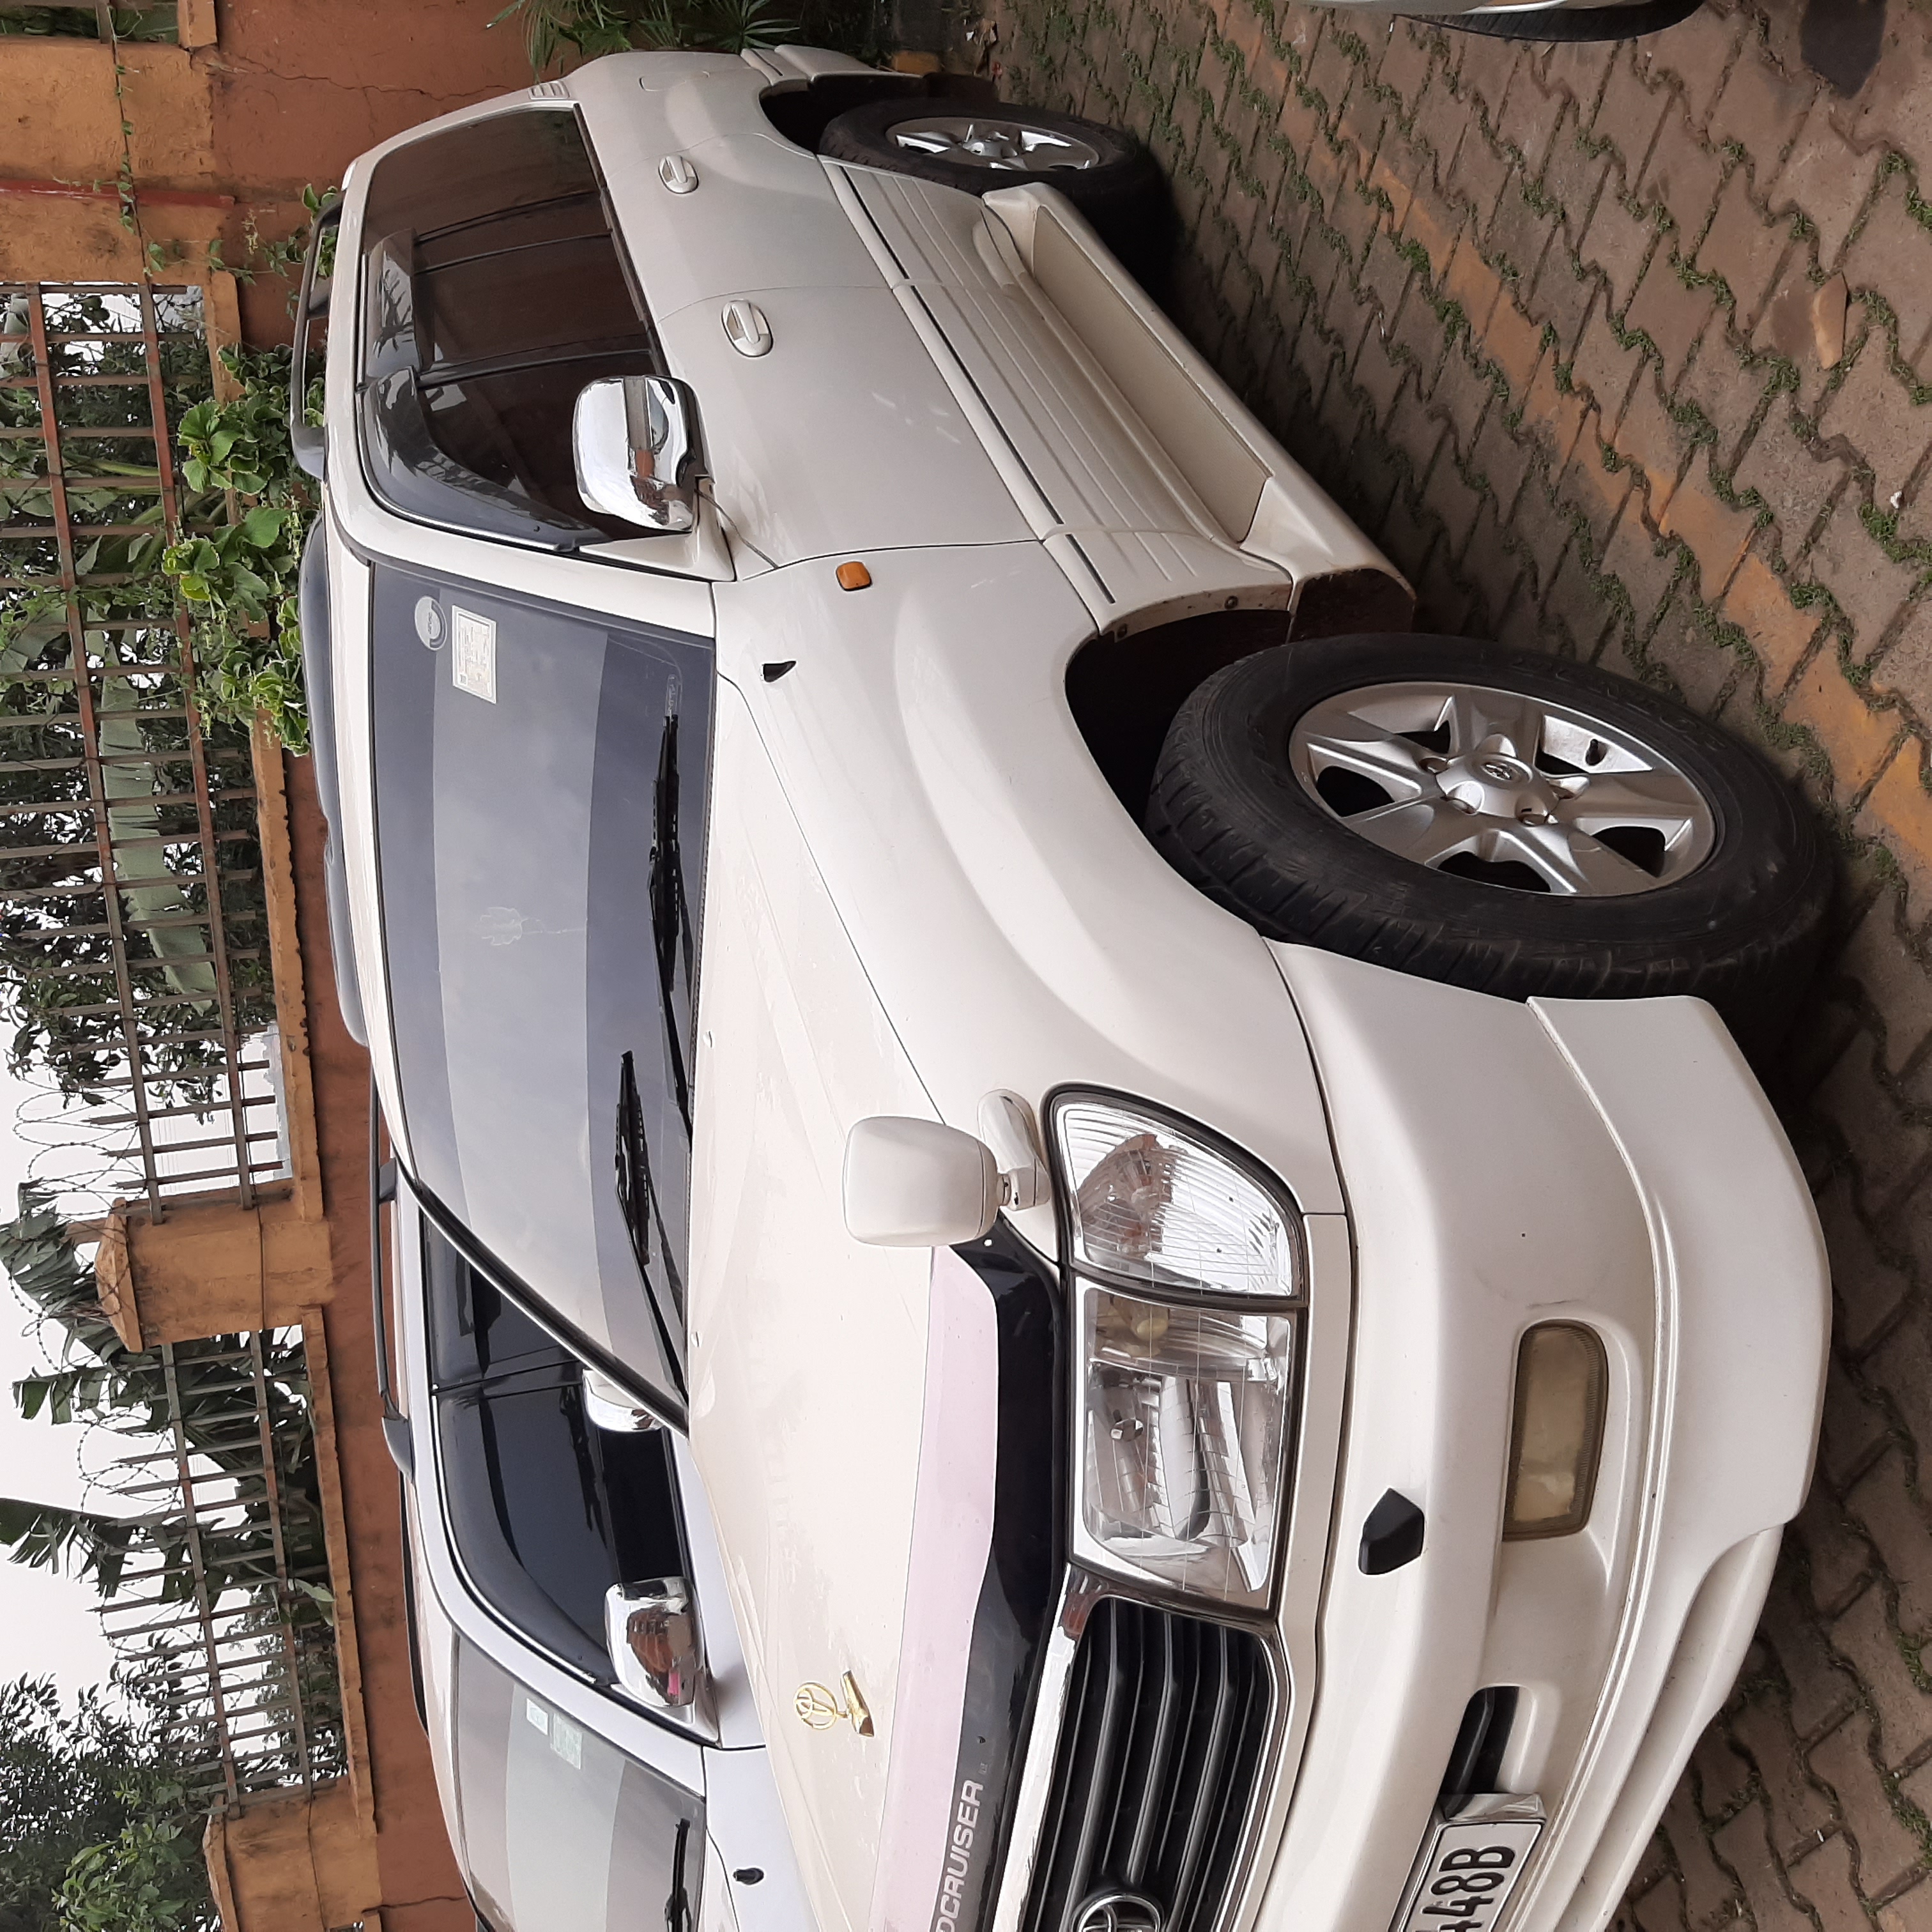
x=1562 y=1382
x=853 y=577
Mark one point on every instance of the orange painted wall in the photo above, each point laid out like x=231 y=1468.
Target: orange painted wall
x=289 y=93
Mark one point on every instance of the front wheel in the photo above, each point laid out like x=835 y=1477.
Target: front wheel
x=1106 y=174
x=1497 y=819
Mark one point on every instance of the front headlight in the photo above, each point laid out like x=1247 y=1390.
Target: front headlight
x=1148 y=1203
x=1187 y=1384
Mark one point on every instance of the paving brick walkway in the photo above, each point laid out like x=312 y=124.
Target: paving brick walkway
x=1627 y=351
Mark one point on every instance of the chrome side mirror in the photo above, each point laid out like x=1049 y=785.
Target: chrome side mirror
x=607 y=1406
x=634 y=440
x=651 y=1630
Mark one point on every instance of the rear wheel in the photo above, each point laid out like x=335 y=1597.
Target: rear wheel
x=1106 y=174
x=1497 y=819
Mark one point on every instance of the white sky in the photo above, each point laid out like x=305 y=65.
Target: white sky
x=48 y=1627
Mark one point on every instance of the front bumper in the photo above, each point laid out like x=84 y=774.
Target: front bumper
x=1612 y=1163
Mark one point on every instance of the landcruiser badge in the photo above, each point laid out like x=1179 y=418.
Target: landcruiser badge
x=816 y=1706
x=1116 y=1911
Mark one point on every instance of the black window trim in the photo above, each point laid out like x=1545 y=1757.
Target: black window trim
x=436 y=375
x=450 y=228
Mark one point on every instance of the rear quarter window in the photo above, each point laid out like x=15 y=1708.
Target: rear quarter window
x=494 y=288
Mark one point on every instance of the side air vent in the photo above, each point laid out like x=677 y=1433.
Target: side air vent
x=1167 y=1719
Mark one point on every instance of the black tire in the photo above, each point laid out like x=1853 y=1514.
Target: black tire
x=1742 y=929
x=1572 y=24
x=1125 y=196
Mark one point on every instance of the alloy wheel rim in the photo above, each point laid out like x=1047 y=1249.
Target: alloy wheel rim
x=990 y=142
x=1503 y=789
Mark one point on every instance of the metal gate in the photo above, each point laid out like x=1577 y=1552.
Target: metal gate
x=221 y=1615
x=132 y=940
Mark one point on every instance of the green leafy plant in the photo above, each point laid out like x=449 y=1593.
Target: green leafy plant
x=238 y=580
x=277 y=255
x=95 y=1830
x=149 y=1877
x=58 y=973
x=243 y=512
x=268 y=1565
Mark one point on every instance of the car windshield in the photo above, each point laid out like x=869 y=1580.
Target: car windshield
x=546 y=1511
x=541 y=784
x=493 y=289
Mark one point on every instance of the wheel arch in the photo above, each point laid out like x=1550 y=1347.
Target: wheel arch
x=1125 y=685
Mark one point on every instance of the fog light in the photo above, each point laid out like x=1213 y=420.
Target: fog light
x=1561 y=1379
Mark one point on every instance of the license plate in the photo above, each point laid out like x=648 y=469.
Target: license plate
x=1475 y=1852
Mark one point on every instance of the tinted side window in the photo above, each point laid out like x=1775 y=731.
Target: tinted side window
x=547 y=1513
x=493 y=291
x=475 y=1329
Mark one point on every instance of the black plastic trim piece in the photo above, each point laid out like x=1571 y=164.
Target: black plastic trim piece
x=418 y=1688
x=318 y=651
x=1013 y=1617
x=1161 y=1757
x=399 y=1439
x=306 y=443
x=1569 y=23
x=378 y=1287
x=1392 y=1535
x=1476 y=1758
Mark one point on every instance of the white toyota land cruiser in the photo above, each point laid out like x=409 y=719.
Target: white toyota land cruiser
x=1065 y=1257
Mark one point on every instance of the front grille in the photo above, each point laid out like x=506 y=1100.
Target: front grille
x=1167 y=1718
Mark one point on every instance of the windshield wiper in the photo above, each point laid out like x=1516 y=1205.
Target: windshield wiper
x=670 y=912
x=677 y=1906
x=672 y=942
x=637 y=1195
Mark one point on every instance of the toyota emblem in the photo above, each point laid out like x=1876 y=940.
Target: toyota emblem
x=1117 y=1909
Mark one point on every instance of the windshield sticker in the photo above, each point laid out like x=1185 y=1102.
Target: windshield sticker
x=473 y=658
x=537 y=1715
x=567 y=1740
x=429 y=622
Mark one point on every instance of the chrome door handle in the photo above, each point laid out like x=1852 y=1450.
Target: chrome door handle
x=745 y=325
